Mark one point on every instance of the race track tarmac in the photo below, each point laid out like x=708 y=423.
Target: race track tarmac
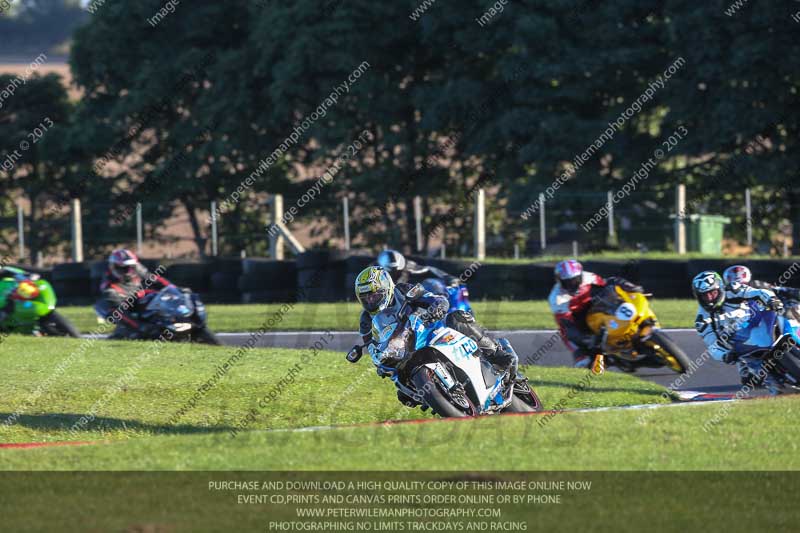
x=533 y=346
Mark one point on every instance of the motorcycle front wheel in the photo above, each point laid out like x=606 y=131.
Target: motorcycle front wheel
x=524 y=400
x=55 y=325
x=673 y=356
x=427 y=384
x=790 y=363
x=206 y=336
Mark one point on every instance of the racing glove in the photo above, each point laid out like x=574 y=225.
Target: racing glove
x=626 y=285
x=433 y=314
x=730 y=357
x=775 y=304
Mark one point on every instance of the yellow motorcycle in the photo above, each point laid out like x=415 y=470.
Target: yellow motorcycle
x=632 y=337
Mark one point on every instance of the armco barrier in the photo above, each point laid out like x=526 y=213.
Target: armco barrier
x=329 y=276
x=665 y=278
x=266 y=280
x=72 y=281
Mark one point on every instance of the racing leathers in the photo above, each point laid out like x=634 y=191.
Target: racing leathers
x=123 y=297
x=570 y=308
x=790 y=296
x=717 y=327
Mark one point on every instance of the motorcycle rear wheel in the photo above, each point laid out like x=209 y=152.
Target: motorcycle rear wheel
x=672 y=354
x=431 y=389
x=55 y=325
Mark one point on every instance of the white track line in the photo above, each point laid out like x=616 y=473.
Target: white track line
x=410 y=422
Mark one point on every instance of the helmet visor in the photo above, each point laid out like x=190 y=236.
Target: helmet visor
x=571 y=285
x=709 y=298
x=124 y=271
x=372 y=301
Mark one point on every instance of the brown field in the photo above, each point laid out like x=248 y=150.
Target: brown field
x=50 y=67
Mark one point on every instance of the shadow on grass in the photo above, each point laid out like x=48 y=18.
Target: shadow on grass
x=594 y=388
x=68 y=421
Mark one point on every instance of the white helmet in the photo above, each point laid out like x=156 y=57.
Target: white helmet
x=392 y=261
x=737 y=274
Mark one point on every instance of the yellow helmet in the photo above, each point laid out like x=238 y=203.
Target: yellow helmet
x=374 y=289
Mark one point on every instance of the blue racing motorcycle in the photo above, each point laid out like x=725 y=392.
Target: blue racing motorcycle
x=441 y=369
x=771 y=337
x=457 y=295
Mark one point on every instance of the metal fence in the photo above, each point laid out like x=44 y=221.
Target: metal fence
x=568 y=223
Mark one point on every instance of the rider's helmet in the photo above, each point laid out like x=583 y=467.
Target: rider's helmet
x=374 y=289
x=436 y=286
x=707 y=288
x=737 y=274
x=123 y=265
x=569 y=274
x=392 y=261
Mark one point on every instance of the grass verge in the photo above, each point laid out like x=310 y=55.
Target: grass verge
x=115 y=391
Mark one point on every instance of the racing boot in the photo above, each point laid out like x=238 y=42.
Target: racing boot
x=760 y=372
x=503 y=357
x=746 y=376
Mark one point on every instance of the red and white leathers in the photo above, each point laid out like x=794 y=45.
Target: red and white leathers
x=124 y=295
x=569 y=309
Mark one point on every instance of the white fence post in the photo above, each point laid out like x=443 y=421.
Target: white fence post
x=418 y=221
x=480 y=225
x=680 y=219
x=542 y=227
x=214 y=233
x=77 y=231
x=612 y=232
x=346 y=213
x=276 y=241
x=749 y=210
x=21 y=231
x=139 y=228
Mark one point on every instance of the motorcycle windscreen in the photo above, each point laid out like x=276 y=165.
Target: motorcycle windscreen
x=170 y=303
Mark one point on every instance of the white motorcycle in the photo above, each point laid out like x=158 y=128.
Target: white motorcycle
x=437 y=367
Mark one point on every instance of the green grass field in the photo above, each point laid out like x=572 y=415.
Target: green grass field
x=132 y=394
x=673 y=313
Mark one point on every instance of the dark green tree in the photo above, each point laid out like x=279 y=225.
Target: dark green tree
x=33 y=122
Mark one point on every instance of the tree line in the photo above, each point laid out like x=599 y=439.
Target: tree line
x=446 y=100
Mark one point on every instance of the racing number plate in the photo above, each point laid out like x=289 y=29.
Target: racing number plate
x=466 y=348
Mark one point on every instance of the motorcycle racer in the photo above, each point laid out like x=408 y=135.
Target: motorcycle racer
x=570 y=300
x=124 y=283
x=738 y=276
x=721 y=313
x=377 y=293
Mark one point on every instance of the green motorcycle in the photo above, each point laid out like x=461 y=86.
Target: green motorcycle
x=34 y=311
